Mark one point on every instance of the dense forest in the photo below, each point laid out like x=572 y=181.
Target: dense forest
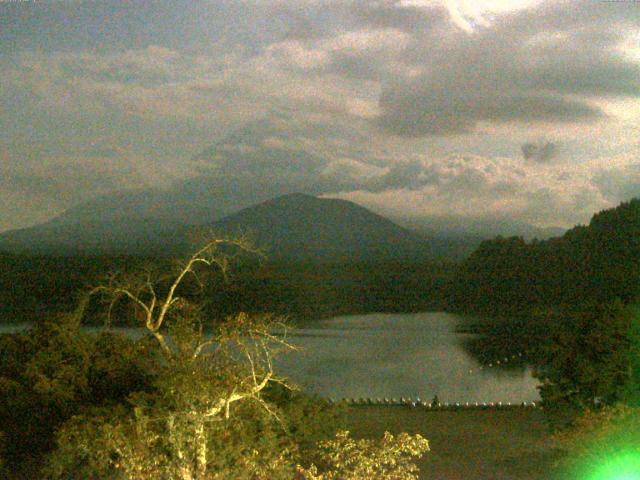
x=504 y=277
x=33 y=286
x=177 y=403
x=528 y=284
x=597 y=263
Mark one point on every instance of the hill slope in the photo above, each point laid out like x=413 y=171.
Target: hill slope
x=598 y=262
x=299 y=226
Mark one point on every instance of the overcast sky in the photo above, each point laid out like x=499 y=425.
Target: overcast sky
x=517 y=108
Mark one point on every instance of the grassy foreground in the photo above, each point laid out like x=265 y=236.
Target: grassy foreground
x=467 y=444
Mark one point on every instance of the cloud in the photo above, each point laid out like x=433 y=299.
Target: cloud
x=422 y=109
x=150 y=66
x=435 y=102
x=479 y=187
x=535 y=67
x=404 y=176
x=618 y=184
x=395 y=14
x=414 y=71
x=540 y=152
x=66 y=180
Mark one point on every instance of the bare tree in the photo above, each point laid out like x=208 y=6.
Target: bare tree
x=205 y=372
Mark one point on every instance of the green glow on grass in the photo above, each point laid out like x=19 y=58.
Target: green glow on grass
x=623 y=466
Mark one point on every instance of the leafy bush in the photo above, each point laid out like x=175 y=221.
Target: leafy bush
x=391 y=458
x=56 y=370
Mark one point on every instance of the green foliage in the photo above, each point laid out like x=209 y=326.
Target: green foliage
x=154 y=440
x=32 y=287
x=585 y=362
x=312 y=290
x=631 y=394
x=167 y=433
x=2 y=448
x=192 y=425
x=195 y=398
x=306 y=419
x=597 y=263
x=54 y=371
x=391 y=458
x=498 y=276
x=207 y=415
x=602 y=444
x=564 y=299
x=35 y=287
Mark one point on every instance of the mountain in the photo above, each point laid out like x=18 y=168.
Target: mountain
x=131 y=236
x=264 y=159
x=261 y=160
x=292 y=226
x=304 y=227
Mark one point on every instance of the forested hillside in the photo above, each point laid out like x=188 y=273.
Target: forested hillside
x=596 y=263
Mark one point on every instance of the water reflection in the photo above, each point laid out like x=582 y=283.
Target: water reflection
x=399 y=355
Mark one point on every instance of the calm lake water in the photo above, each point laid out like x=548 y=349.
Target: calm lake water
x=395 y=355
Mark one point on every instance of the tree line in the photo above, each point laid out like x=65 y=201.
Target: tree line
x=34 y=286
x=572 y=304
x=595 y=263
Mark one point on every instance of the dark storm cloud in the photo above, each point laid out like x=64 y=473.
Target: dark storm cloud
x=542 y=65
x=300 y=21
x=539 y=152
x=610 y=75
x=423 y=110
x=170 y=78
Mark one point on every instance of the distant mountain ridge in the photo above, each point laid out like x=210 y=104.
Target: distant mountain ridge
x=478 y=228
x=120 y=236
x=293 y=227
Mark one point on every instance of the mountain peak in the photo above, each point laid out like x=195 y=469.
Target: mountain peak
x=302 y=226
x=294 y=196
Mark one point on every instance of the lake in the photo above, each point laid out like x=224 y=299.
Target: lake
x=399 y=355
x=395 y=355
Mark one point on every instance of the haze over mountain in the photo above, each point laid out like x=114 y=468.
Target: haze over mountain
x=478 y=228
x=293 y=227
x=263 y=159
x=256 y=162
